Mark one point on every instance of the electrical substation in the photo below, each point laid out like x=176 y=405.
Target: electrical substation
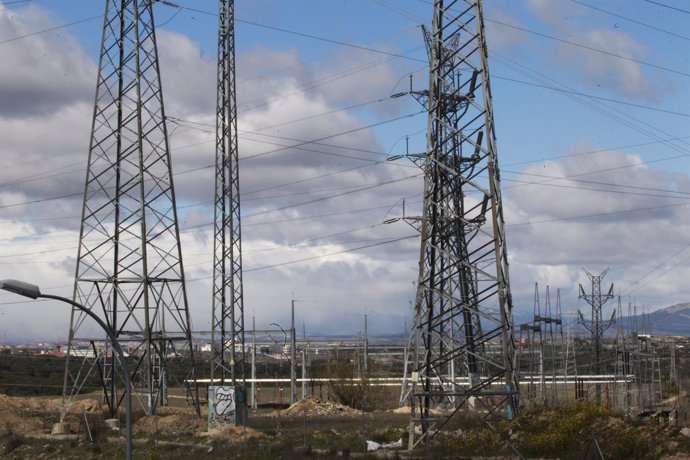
x=466 y=353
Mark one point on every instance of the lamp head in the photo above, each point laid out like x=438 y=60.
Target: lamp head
x=21 y=288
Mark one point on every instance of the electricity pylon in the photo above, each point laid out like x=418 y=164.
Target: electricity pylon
x=623 y=368
x=129 y=263
x=463 y=348
x=596 y=325
x=228 y=311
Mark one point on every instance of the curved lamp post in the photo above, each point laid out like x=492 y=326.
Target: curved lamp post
x=291 y=359
x=32 y=291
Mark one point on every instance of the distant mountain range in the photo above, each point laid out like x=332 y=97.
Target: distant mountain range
x=673 y=320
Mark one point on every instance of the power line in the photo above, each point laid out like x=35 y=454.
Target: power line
x=609 y=184
x=62 y=26
x=313 y=37
x=591 y=96
x=590 y=48
x=257 y=155
x=345 y=251
x=658 y=267
x=317 y=200
x=592 y=152
x=400 y=11
x=619 y=192
x=621 y=117
x=658 y=29
x=599 y=214
x=315 y=84
x=675 y=8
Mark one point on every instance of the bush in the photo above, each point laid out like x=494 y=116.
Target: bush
x=14 y=440
x=559 y=432
x=351 y=388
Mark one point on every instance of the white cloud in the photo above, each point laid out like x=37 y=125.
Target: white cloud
x=289 y=209
x=500 y=37
x=622 y=231
x=616 y=70
x=274 y=89
x=552 y=12
x=188 y=77
x=40 y=74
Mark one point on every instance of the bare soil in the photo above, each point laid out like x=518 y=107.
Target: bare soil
x=314 y=428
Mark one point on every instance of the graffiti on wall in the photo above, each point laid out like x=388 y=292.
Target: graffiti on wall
x=223 y=404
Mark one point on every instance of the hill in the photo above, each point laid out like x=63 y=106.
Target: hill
x=673 y=320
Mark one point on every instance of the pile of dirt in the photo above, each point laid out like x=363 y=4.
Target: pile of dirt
x=18 y=415
x=315 y=406
x=19 y=424
x=169 y=422
x=24 y=404
x=88 y=406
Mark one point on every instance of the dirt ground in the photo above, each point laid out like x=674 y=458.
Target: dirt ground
x=314 y=428
x=324 y=429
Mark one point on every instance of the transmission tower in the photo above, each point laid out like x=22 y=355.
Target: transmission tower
x=463 y=307
x=623 y=367
x=559 y=360
x=129 y=264
x=551 y=325
x=228 y=311
x=596 y=325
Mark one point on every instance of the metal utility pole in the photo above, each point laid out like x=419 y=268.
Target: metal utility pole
x=129 y=263
x=227 y=328
x=560 y=350
x=531 y=337
x=552 y=323
x=596 y=325
x=253 y=372
x=570 y=360
x=366 y=346
x=463 y=268
x=539 y=322
x=293 y=356
x=622 y=362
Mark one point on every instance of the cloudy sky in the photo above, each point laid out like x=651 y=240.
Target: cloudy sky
x=591 y=107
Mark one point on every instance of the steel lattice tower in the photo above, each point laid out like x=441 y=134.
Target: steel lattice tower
x=228 y=311
x=463 y=336
x=596 y=325
x=129 y=265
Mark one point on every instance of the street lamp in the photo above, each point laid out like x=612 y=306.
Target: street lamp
x=32 y=291
x=291 y=359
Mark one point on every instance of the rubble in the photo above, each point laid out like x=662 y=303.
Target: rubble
x=169 y=424
x=315 y=406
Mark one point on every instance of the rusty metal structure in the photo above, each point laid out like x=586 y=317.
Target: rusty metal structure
x=463 y=351
x=129 y=263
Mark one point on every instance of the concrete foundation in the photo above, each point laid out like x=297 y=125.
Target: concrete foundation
x=113 y=424
x=60 y=428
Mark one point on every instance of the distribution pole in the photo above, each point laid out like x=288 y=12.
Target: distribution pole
x=129 y=262
x=366 y=346
x=304 y=371
x=253 y=395
x=293 y=356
